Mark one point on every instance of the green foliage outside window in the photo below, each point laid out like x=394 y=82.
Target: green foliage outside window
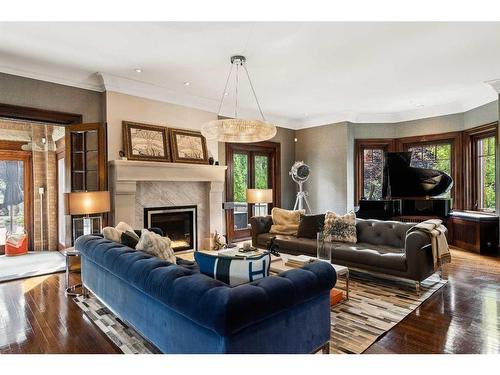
x=261 y=172
x=240 y=177
x=432 y=156
x=373 y=166
x=486 y=172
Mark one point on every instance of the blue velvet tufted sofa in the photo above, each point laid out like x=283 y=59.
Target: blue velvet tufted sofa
x=180 y=310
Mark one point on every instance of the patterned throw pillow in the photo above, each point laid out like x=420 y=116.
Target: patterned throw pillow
x=156 y=245
x=231 y=270
x=340 y=228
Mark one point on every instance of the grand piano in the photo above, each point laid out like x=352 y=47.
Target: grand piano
x=409 y=193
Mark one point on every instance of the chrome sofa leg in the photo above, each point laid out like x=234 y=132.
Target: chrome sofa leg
x=85 y=292
x=326 y=348
x=418 y=287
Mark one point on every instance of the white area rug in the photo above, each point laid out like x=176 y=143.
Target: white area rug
x=35 y=263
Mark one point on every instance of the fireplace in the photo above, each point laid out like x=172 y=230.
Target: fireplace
x=177 y=222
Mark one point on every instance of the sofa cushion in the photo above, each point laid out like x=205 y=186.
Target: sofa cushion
x=383 y=257
x=310 y=225
x=378 y=232
x=289 y=244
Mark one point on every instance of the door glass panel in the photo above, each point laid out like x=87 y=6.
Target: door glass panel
x=91 y=160
x=11 y=198
x=261 y=170
x=240 y=185
x=77 y=181
x=92 y=183
x=91 y=140
x=77 y=159
x=84 y=160
x=77 y=141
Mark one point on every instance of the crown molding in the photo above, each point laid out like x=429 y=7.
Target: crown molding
x=461 y=106
x=164 y=94
x=110 y=82
x=52 y=79
x=495 y=84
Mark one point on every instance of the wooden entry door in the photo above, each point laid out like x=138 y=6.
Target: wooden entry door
x=250 y=166
x=85 y=163
x=15 y=176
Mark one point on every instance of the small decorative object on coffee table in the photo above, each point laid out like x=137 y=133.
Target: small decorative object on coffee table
x=323 y=252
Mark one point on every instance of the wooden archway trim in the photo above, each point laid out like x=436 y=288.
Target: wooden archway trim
x=37 y=114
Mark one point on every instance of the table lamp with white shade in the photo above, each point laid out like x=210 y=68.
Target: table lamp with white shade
x=260 y=197
x=87 y=203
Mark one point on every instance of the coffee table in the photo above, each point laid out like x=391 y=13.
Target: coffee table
x=278 y=266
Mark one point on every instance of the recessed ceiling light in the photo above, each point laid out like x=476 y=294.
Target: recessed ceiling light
x=420 y=105
x=138 y=70
x=187 y=83
x=226 y=93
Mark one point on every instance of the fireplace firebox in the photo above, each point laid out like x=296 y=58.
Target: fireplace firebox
x=177 y=222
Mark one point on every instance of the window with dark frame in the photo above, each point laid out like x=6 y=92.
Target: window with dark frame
x=373 y=167
x=469 y=157
x=484 y=152
x=432 y=156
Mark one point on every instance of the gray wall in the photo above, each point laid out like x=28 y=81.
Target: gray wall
x=27 y=92
x=481 y=115
x=440 y=124
x=325 y=149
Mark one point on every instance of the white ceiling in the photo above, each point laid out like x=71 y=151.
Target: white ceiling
x=305 y=74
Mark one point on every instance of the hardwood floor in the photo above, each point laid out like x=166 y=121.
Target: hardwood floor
x=36 y=317
x=462 y=317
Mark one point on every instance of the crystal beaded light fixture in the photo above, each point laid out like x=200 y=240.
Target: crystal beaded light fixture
x=235 y=129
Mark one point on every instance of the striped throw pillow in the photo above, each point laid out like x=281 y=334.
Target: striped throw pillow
x=233 y=270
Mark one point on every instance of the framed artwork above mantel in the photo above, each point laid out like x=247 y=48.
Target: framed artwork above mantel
x=188 y=146
x=145 y=142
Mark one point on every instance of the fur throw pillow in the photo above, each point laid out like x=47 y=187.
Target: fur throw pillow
x=285 y=221
x=156 y=245
x=340 y=228
x=114 y=234
x=111 y=233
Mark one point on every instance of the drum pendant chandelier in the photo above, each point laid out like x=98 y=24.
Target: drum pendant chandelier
x=237 y=130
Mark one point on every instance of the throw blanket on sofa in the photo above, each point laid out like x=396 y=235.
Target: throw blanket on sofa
x=440 y=249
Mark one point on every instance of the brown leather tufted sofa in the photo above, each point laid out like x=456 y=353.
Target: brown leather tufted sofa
x=383 y=247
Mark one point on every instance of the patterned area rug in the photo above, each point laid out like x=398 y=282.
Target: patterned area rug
x=122 y=335
x=374 y=307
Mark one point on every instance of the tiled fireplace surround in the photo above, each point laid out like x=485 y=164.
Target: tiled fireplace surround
x=135 y=185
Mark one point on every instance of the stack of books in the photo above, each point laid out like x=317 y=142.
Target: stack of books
x=299 y=261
